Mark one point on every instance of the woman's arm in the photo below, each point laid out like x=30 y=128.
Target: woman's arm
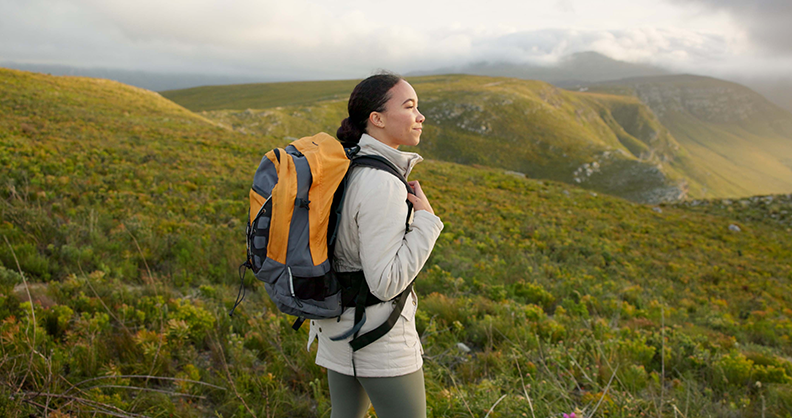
x=391 y=257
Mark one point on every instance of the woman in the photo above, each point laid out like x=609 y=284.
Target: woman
x=372 y=237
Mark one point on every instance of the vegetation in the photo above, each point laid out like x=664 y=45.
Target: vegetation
x=537 y=130
x=260 y=95
x=653 y=139
x=122 y=219
x=738 y=144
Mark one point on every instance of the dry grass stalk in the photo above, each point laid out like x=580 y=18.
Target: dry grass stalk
x=138 y=376
x=605 y=392
x=530 y=404
x=109 y=312
x=150 y=279
x=32 y=344
x=110 y=409
x=218 y=345
x=492 y=408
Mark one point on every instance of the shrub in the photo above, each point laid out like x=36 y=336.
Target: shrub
x=534 y=293
x=735 y=368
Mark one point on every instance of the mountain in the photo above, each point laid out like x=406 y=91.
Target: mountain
x=571 y=70
x=776 y=89
x=582 y=68
x=738 y=143
x=648 y=139
x=606 y=143
x=144 y=79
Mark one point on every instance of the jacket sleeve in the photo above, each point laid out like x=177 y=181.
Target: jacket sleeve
x=390 y=255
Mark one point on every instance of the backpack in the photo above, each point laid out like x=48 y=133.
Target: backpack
x=295 y=207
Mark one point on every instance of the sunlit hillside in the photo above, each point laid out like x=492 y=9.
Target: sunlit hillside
x=261 y=95
x=528 y=127
x=649 y=139
x=738 y=143
x=122 y=230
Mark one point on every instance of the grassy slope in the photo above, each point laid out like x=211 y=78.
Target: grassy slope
x=724 y=141
x=125 y=211
x=738 y=143
x=260 y=96
x=534 y=127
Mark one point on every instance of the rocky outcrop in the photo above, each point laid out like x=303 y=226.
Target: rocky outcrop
x=707 y=99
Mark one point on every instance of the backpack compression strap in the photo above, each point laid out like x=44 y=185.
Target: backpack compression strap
x=361 y=341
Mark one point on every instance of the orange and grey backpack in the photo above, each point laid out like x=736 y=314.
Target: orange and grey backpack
x=295 y=207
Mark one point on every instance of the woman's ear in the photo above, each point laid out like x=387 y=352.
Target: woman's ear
x=377 y=120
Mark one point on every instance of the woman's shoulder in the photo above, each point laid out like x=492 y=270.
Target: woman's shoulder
x=375 y=191
x=373 y=180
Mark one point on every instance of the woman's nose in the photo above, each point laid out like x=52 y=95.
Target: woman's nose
x=420 y=117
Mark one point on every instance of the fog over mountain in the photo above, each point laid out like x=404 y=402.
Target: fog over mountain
x=583 y=68
x=571 y=70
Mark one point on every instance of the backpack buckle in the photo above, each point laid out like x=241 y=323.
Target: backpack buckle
x=352 y=151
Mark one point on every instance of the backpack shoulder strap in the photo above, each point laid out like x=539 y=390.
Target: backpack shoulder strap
x=360 y=341
x=380 y=163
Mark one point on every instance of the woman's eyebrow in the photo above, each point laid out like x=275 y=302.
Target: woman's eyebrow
x=413 y=100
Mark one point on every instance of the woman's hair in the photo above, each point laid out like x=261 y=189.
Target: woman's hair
x=370 y=95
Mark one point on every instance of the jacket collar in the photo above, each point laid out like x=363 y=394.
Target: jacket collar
x=404 y=161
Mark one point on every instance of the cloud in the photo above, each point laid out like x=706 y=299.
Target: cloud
x=302 y=39
x=768 y=22
x=666 y=47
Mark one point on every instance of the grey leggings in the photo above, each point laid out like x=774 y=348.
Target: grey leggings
x=399 y=396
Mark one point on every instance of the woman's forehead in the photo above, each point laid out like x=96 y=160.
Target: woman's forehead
x=402 y=92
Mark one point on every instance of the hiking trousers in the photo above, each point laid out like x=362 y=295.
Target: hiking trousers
x=392 y=397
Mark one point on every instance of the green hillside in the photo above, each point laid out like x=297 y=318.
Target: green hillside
x=122 y=218
x=261 y=95
x=652 y=138
x=738 y=143
x=525 y=126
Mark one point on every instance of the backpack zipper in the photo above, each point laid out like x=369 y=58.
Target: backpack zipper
x=291 y=288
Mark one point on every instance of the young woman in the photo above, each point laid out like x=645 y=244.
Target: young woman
x=373 y=237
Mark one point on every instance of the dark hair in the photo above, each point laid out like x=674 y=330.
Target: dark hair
x=370 y=95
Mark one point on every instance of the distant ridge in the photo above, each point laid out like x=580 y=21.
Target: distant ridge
x=602 y=143
x=571 y=70
x=739 y=143
x=582 y=68
x=648 y=139
x=261 y=95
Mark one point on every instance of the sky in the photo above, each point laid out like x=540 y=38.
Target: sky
x=322 y=39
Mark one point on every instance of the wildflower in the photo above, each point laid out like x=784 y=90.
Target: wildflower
x=572 y=415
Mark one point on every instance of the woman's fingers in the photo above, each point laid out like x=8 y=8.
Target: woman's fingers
x=417 y=187
x=419 y=200
x=418 y=203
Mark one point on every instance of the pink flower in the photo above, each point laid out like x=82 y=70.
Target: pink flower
x=572 y=415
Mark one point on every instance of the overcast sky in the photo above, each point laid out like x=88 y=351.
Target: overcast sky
x=315 y=39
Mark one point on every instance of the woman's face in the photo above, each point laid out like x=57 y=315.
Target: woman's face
x=400 y=123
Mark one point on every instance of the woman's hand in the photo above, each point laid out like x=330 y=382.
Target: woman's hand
x=419 y=200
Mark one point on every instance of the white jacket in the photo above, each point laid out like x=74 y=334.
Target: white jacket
x=372 y=238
